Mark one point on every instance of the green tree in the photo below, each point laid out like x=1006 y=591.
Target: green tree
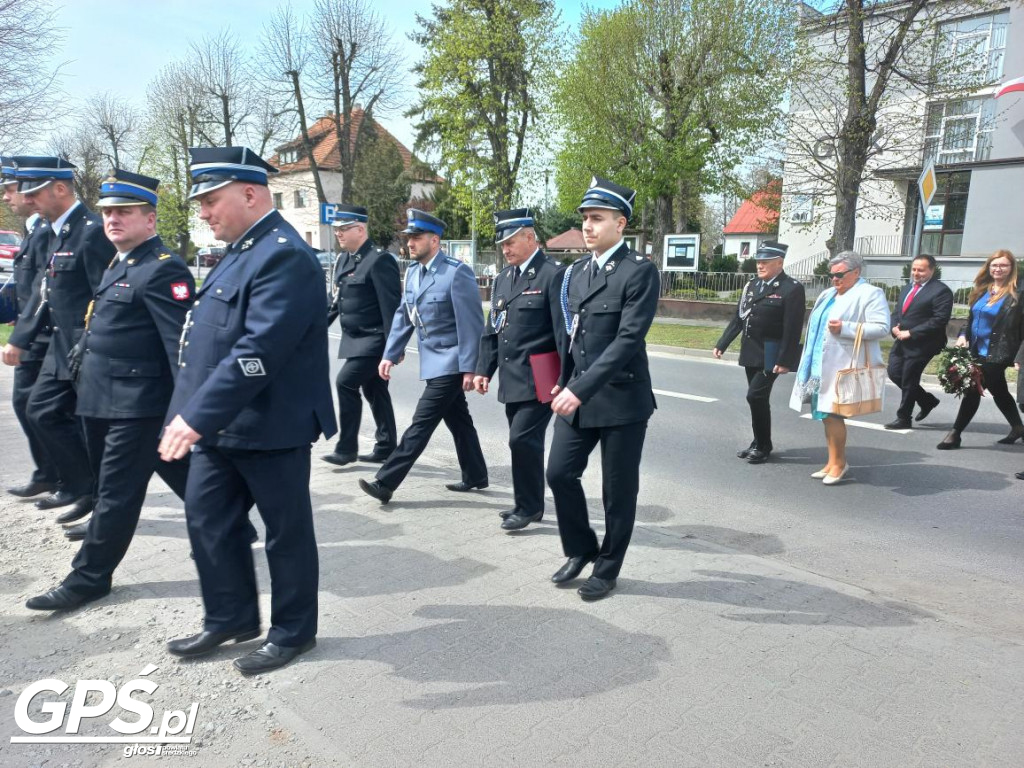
x=379 y=183
x=479 y=86
x=665 y=95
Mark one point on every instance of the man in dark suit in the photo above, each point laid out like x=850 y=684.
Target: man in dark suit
x=77 y=256
x=252 y=393
x=604 y=395
x=30 y=337
x=125 y=364
x=525 y=313
x=442 y=304
x=367 y=291
x=770 y=314
x=919 y=322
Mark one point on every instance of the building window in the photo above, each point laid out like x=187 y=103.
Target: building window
x=300 y=198
x=943 y=233
x=959 y=131
x=309 y=238
x=801 y=209
x=278 y=200
x=289 y=156
x=744 y=250
x=978 y=43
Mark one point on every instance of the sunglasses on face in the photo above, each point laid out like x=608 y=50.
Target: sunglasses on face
x=839 y=275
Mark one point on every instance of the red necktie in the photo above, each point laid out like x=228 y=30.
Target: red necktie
x=911 y=295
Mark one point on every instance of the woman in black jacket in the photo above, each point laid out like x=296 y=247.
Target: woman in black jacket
x=993 y=333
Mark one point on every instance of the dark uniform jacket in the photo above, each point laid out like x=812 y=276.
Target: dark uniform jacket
x=368 y=290
x=775 y=313
x=32 y=331
x=76 y=262
x=606 y=364
x=926 y=319
x=254 y=365
x=131 y=343
x=523 y=322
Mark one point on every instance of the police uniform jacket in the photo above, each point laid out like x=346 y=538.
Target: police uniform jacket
x=606 y=365
x=523 y=321
x=444 y=309
x=253 y=371
x=772 y=312
x=32 y=330
x=131 y=342
x=76 y=262
x=368 y=290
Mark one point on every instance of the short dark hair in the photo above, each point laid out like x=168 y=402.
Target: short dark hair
x=932 y=263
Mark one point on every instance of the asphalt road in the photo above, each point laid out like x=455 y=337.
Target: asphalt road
x=940 y=530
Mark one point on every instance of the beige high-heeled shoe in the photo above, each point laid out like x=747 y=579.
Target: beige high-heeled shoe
x=833 y=479
x=819 y=474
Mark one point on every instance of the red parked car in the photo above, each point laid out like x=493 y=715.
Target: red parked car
x=9 y=244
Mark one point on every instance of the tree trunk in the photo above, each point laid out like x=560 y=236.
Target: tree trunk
x=307 y=145
x=663 y=221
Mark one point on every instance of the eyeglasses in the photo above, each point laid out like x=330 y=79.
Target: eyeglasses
x=993 y=265
x=839 y=275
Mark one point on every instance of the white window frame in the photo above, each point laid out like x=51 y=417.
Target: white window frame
x=801 y=209
x=979 y=113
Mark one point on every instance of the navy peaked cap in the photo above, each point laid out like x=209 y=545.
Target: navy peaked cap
x=507 y=223
x=7 y=170
x=608 y=194
x=35 y=172
x=125 y=188
x=770 y=249
x=349 y=214
x=421 y=221
x=216 y=167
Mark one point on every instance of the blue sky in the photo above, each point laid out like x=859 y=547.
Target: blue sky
x=119 y=47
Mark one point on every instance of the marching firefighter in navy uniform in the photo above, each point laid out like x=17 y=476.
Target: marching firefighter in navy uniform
x=253 y=393
x=77 y=256
x=442 y=305
x=125 y=365
x=30 y=337
x=525 y=313
x=604 y=395
x=367 y=291
x=770 y=315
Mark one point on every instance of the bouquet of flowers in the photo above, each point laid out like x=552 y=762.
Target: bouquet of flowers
x=958 y=372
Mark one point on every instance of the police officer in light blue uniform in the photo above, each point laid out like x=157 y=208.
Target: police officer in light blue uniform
x=441 y=303
x=253 y=392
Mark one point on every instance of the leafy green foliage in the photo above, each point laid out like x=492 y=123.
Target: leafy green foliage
x=721 y=264
x=380 y=184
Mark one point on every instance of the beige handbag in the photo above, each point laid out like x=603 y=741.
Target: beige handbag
x=859 y=390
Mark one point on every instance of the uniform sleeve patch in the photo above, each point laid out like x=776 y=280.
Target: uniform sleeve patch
x=165 y=257
x=180 y=291
x=252 y=366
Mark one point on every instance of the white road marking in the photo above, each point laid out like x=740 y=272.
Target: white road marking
x=866 y=425
x=683 y=396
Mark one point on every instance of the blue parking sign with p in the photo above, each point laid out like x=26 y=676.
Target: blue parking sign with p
x=327 y=211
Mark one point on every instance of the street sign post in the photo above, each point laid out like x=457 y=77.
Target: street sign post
x=927 y=185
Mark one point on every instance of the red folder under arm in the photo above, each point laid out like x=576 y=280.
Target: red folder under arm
x=546 y=367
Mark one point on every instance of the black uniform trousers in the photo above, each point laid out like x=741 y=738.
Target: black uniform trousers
x=222 y=485
x=51 y=413
x=123 y=454
x=621 y=449
x=25 y=375
x=759 y=398
x=442 y=399
x=361 y=373
x=527 y=424
x=905 y=372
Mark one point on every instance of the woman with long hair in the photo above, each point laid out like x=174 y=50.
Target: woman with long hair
x=993 y=333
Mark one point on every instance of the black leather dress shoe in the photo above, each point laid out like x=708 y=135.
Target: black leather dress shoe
x=375 y=457
x=757 y=456
x=340 y=459
x=1016 y=433
x=1019 y=475
x=925 y=410
x=32 y=488
x=572 y=568
x=900 y=424
x=378 y=491
x=204 y=642
x=746 y=451
x=505 y=514
x=59 y=499
x=269 y=657
x=76 y=532
x=462 y=487
x=62 y=599
x=595 y=588
x=76 y=511
x=517 y=521
x=950 y=442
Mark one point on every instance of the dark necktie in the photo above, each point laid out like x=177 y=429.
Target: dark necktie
x=516 y=275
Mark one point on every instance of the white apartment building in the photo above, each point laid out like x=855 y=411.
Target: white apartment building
x=975 y=141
